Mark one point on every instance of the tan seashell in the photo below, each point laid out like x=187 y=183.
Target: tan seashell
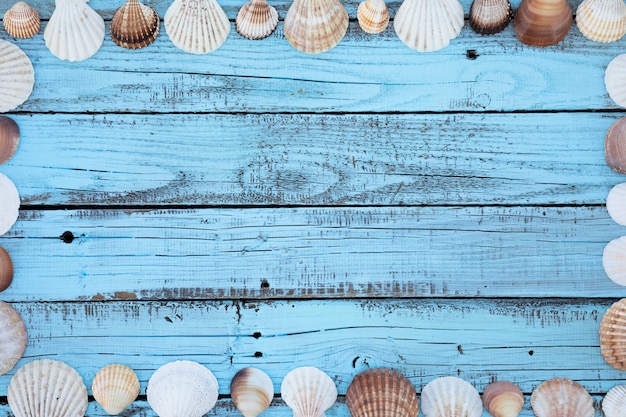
x=373 y=16
x=315 y=26
x=13 y=337
x=115 y=387
x=503 y=399
x=542 y=22
x=9 y=209
x=490 y=16
x=22 y=21
x=17 y=76
x=613 y=335
x=616 y=204
x=6 y=269
x=614 y=260
x=602 y=20
x=252 y=391
x=256 y=19
x=47 y=388
x=615 y=80
x=308 y=391
x=450 y=396
x=9 y=138
x=428 y=25
x=381 y=392
x=614 y=402
x=615 y=146
x=561 y=397
x=134 y=25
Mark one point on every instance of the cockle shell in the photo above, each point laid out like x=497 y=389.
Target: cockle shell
x=373 y=16
x=315 y=26
x=308 y=391
x=561 y=397
x=9 y=204
x=256 y=19
x=17 y=76
x=134 y=25
x=47 y=388
x=490 y=16
x=9 y=138
x=615 y=146
x=75 y=31
x=602 y=20
x=13 y=337
x=22 y=21
x=115 y=387
x=616 y=204
x=182 y=389
x=615 y=80
x=196 y=26
x=542 y=22
x=381 y=392
x=428 y=25
x=613 y=335
x=614 y=260
x=614 y=402
x=252 y=391
x=6 y=269
x=450 y=396
x=503 y=399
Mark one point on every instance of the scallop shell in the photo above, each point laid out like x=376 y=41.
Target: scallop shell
x=616 y=204
x=134 y=25
x=381 y=392
x=182 y=389
x=9 y=209
x=115 y=387
x=614 y=402
x=615 y=80
x=561 y=397
x=6 y=269
x=22 y=21
x=9 y=138
x=308 y=391
x=450 y=396
x=614 y=260
x=252 y=391
x=256 y=19
x=47 y=388
x=196 y=26
x=373 y=16
x=17 y=76
x=13 y=337
x=75 y=31
x=490 y=16
x=615 y=146
x=315 y=26
x=542 y=22
x=428 y=25
x=503 y=399
x=613 y=335
x=602 y=20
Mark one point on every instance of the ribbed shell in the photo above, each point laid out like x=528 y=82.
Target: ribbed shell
x=17 y=76
x=450 y=396
x=614 y=261
x=256 y=19
x=22 y=21
x=428 y=25
x=13 y=337
x=373 y=16
x=315 y=26
x=561 y=397
x=381 y=392
x=9 y=209
x=613 y=335
x=542 y=22
x=615 y=79
x=75 y=31
x=115 y=387
x=196 y=26
x=503 y=399
x=614 y=402
x=615 y=146
x=602 y=20
x=490 y=16
x=47 y=388
x=6 y=269
x=134 y=25
x=308 y=391
x=616 y=203
x=252 y=391
x=9 y=138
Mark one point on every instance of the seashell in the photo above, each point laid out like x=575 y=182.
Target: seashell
x=503 y=399
x=13 y=337
x=373 y=16
x=542 y=22
x=256 y=19
x=315 y=26
x=450 y=396
x=17 y=76
x=612 y=335
x=602 y=20
x=47 y=388
x=616 y=204
x=308 y=391
x=490 y=16
x=381 y=392
x=6 y=269
x=252 y=391
x=561 y=397
x=428 y=25
x=614 y=80
x=614 y=260
x=614 y=402
x=182 y=389
x=9 y=138
x=615 y=146
x=22 y=21
x=196 y=26
x=115 y=387
x=9 y=209
x=134 y=25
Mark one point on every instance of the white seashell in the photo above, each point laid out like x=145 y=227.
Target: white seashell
x=17 y=76
x=616 y=203
x=308 y=391
x=450 y=396
x=602 y=20
x=13 y=337
x=614 y=402
x=47 y=388
x=182 y=389
x=428 y=25
x=614 y=260
x=75 y=31
x=196 y=26
x=373 y=16
x=252 y=391
x=256 y=19
x=615 y=79
x=315 y=26
x=10 y=204
x=115 y=387
x=561 y=397
x=21 y=21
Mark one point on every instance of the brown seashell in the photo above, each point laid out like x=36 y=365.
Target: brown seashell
x=6 y=269
x=373 y=16
x=13 y=337
x=256 y=19
x=252 y=391
x=503 y=399
x=134 y=25
x=381 y=392
x=613 y=335
x=490 y=16
x=615 y=146
x=542 y=22
x=9 y=138
x=561 y=397
x=22 y=21
x=315 y=26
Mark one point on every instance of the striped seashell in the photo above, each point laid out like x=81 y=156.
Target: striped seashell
x=614 y=402
x=256 y=19
x=308 y=391
x=22 y=21
x=561 y=397
x=615 y=79
x=447 y=393
x=115 y=387
x=490 y=16
x=602 y=20
x=542 y=22
x=9 y=138
x=381 y=392
x=17 y=77
x=9 y=209
x=373 y=16
x=315 y=26
x=134 y=25
x=613 y=335
x=13 y=337
x=503 y=399
x=252 y=391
